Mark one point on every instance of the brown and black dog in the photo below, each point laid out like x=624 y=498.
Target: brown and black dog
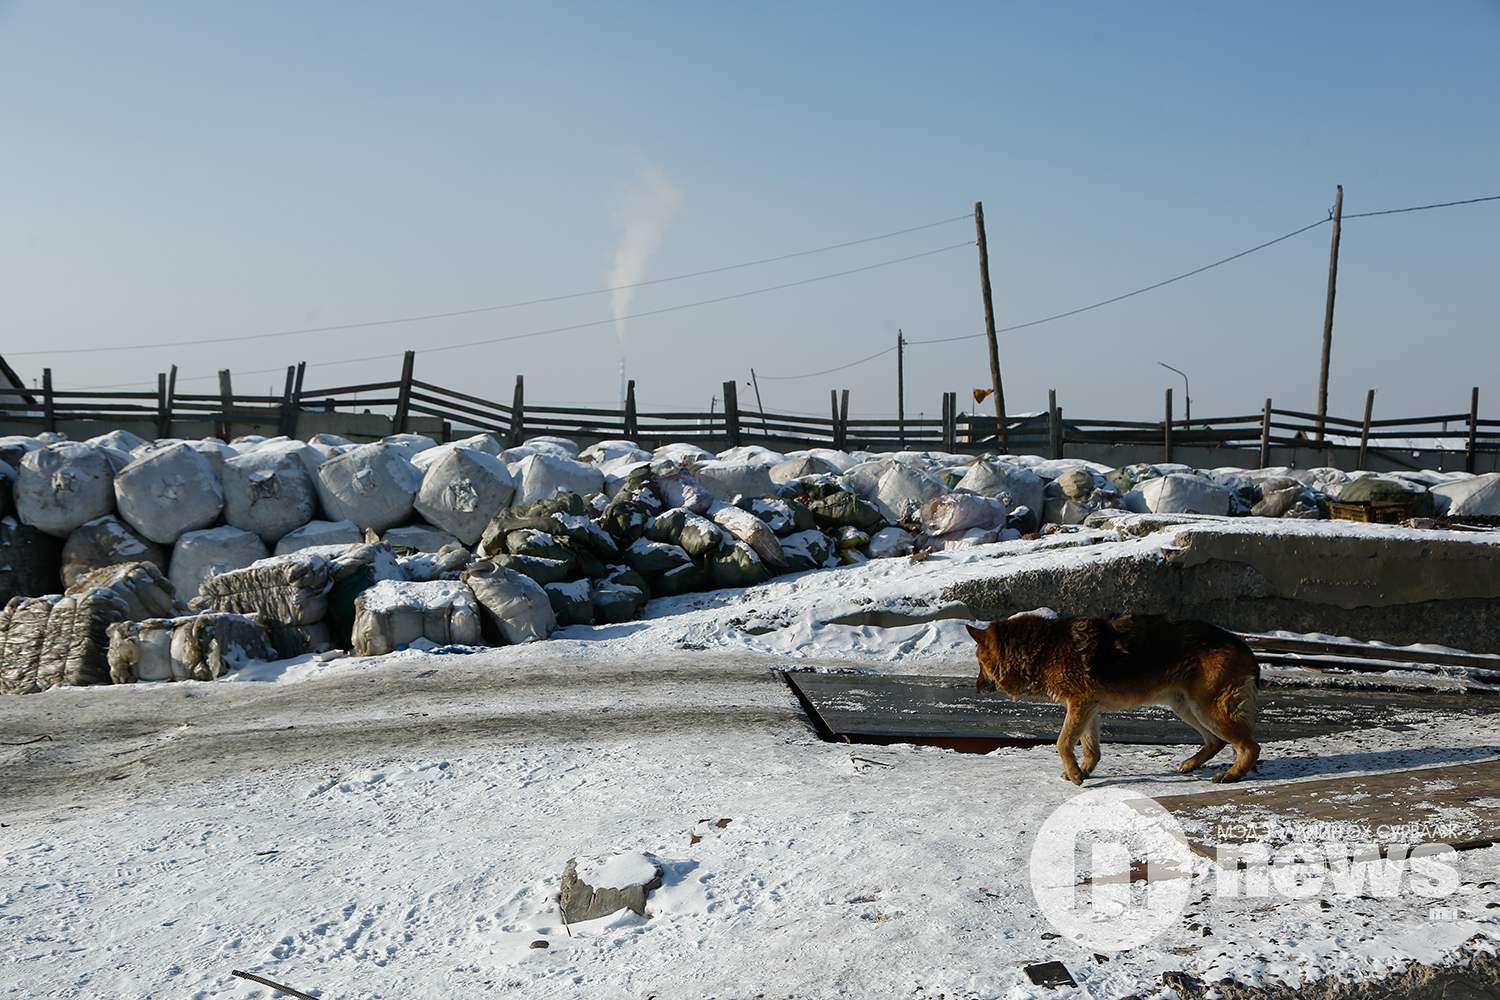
x=1206 y=675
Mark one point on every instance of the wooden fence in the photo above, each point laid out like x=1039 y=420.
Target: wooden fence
x=461 y=413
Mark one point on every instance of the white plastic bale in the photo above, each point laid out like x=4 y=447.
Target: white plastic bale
x=168 y=492
x=269 y=492
x=316 y=533
x=120 y=440
x=614 y=450
x=411 y=444
x=13 y=447
x=199 y=555
x=60 y=640
x=803 y=465
x=141 y=651
x=680 y=488
x=543 y=476
x=562 y=445
x=961 y=511
x=890 y=542
x=518 y=607
x=1016 y=484
x=902 y=490
x=143 y=588
x=393 y=614
x=1479 y=496
x=373 y=485
x=462 y=490
x=62 y=486
x=680 y=453
x=283 y=590
x=729 y=480
x=1180 y=494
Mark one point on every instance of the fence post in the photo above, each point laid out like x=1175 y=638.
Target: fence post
x=1364 y=431
x=518 y=412
x=403 y=394
x=171 y=397
x=295 y=404
x=1265 y=435
x=1166 y=431
x=1473 y=429
x=632 y=424
x=844 y=420
x=163 y=421
x=950 y=421
x=287 y=419
x=226 y=403
x=1054 y=430
x=833 y=417
x=732 y=414
x=49 y=407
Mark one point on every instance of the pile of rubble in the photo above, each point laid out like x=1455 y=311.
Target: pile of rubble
x=128 y=560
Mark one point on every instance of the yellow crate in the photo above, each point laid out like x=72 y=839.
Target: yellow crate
x=1384 y=512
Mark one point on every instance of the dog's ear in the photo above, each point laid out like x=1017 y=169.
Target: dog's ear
x=977 y=634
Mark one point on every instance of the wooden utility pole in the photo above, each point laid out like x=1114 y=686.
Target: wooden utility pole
x=901 y=388
x=989 y=324
x=1333 y=282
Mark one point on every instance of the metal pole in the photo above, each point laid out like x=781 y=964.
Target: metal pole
x=1187 y=397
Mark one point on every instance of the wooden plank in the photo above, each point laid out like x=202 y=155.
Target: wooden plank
x=518 y=412
x=632 y=423
x=1265 y=435
x=163 y=413
x=731 y=414
x=1473 y=429
x=49 y=407
x=1364 y=433
x=403 y=393
x=1297 y=644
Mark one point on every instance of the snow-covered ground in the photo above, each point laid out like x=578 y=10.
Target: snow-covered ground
x=398 y=826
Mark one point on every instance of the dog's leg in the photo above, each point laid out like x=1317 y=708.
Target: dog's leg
x=1232 y=716
x=1091 y=743
x=1072 y=730
x=1183 y=707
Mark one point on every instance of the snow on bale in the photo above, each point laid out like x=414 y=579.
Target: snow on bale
x=572 y=602
x=270 y=492
x=329 y=445
x=751 y=530
x=803 y=465
x=393 y=614
x=462 y=490
x=616 y=602
x=889 y=542
x=199 y=555
x=735 y=564
x=317 y=533
x=165 y=493
x=410 y=444
x=681 y=454
x=544 y=476
x=837 y=508
x=537 y=516
x=1014 y=483
x=1183 y=494
x=1476 y=497
x=199 y=647
x=372 y=485
x=216 y=451
x=119 y=440
x=616 y=450
x=516 y=608
x=13 y=448
x=783 y=516
x=805 y=550
x=418 y=538
x=957 y=512
x=28 y=560
x=655 y=559
x=558 y=445
x=447 y=563
x=141 y=585
x=62 y=486
x=730 y=480
x=106 y=541
x=693 y=532
x=60 y=640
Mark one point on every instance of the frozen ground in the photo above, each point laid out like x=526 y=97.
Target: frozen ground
x=397 y=827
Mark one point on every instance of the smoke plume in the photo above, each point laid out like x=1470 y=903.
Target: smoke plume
x=641 y=217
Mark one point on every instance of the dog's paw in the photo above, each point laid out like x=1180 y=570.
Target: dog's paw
x=1224 y=778
x=1076 y=777
x=1188 y=765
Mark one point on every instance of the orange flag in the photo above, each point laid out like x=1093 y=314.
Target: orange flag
x=980 y=395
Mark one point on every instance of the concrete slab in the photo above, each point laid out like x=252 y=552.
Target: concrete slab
x=1455 y=804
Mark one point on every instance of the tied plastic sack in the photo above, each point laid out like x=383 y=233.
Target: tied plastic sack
x=63 y=486
x=106 y=541
x=462 y=489
x=396 y=613
x=270 y=492
x=373 y=485
x=146 y=593
x=517 y=608
x=60 y=640
x=754 y=532
x=542 y=476
x=199 y=647
x=960 y=511
x=165 y=493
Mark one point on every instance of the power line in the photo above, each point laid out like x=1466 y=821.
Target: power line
x=594 y=323
x=497 y=308
x=827 y=371
x=1421 y=208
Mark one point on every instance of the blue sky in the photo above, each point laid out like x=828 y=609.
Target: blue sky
x=183 y=171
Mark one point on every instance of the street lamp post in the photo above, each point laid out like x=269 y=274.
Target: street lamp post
x=1187 y=399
